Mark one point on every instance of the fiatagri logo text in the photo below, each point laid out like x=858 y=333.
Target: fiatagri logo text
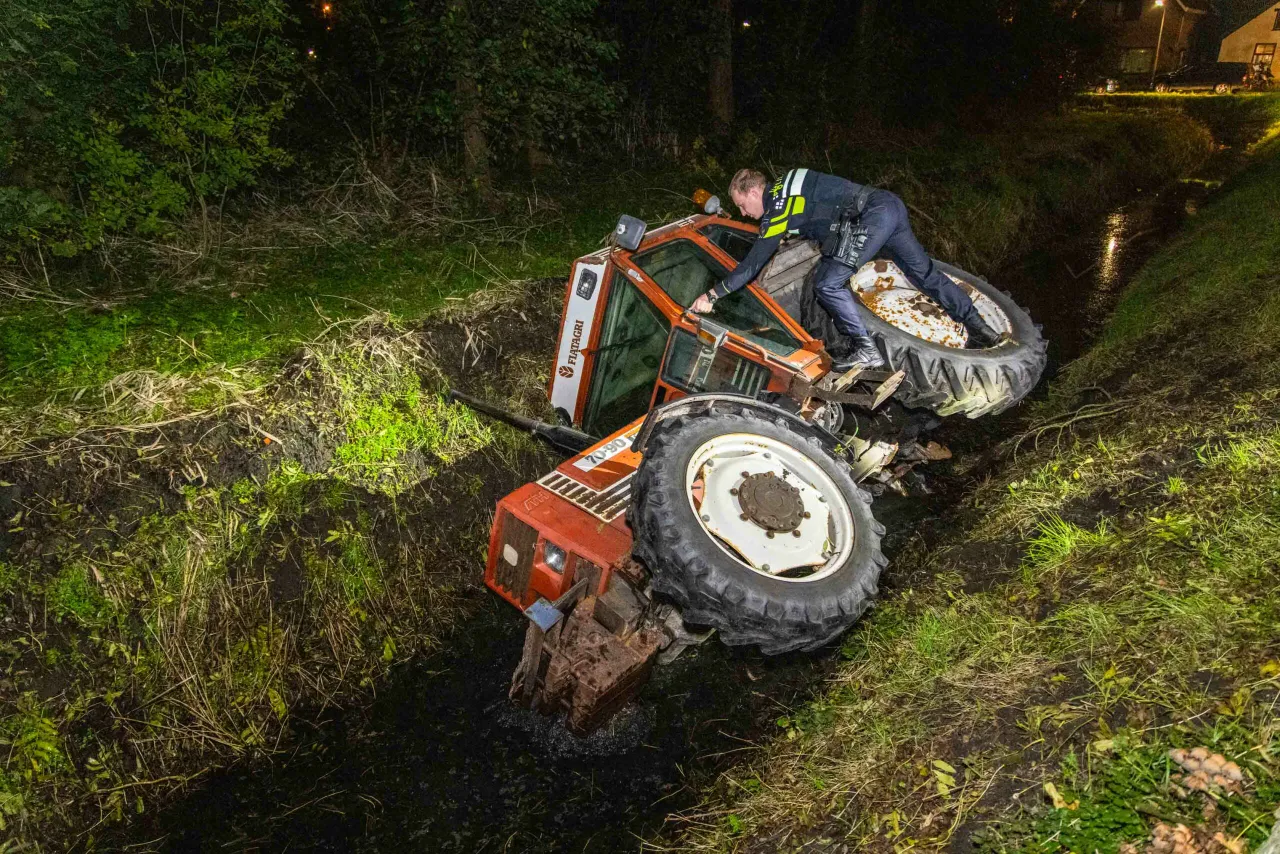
x=575 y=348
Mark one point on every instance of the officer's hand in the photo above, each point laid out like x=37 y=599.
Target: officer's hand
x=702 y=305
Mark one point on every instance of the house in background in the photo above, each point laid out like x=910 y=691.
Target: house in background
x=1141 y=27
x=1250 y=32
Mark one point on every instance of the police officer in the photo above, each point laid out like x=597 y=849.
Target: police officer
x=852 y=223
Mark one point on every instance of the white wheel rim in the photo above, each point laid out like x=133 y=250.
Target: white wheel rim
x=826 y=537
x=887 y=293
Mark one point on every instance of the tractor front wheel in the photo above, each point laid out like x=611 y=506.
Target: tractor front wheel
x=750 y=525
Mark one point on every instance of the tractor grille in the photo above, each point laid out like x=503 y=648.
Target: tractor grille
x=605 y=504
x=515 y=561
x=749 y=378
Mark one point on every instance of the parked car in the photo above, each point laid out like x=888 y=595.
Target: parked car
x=1219 y=77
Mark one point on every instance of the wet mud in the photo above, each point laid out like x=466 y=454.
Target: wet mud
x=442 y=762
x=439 y=760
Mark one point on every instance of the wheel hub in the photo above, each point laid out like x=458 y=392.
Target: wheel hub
x=771 y=506
x=887 y=292
x=771 y=502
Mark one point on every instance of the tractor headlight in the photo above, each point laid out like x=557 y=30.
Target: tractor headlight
x=553 y=556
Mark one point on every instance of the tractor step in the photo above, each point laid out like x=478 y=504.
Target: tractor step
x=857 y=387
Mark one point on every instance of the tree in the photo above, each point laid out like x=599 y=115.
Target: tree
x=485 y=78
x=721 y=77
x=475 y=141
x=118 y=115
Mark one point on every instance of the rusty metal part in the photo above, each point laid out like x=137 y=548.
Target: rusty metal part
x=931 y=452
x=846 y=379
x=867 y=459
x=588 y=655
x=771 y=502
x=888 y=293
x=874 y=388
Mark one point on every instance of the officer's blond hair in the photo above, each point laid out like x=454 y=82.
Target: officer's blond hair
x=745 y=181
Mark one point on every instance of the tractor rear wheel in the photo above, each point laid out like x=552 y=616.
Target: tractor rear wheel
x=750 y=525
x=916 y=336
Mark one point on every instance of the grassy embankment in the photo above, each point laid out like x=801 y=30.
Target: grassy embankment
x=225 y=509
x=1110 y=593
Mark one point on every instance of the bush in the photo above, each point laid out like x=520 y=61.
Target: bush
x=119 y=115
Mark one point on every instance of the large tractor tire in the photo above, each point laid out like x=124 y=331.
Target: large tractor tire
x=806 y=557
x=916 y=335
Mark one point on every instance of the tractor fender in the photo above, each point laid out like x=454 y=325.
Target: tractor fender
x=696 y=404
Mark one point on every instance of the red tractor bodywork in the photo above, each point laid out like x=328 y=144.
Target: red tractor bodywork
x=560 y=548
x=583 y=502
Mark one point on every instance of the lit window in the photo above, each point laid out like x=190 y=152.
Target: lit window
x=1264 y=55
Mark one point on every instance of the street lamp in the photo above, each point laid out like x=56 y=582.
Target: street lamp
x=1155 y=64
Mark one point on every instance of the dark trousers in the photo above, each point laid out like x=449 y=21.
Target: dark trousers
x=884 y=225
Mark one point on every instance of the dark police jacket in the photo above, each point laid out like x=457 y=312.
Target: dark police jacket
x=802 y=202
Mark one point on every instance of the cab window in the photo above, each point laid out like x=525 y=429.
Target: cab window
x=632 y=341
x=684 y=270
x=736 y=244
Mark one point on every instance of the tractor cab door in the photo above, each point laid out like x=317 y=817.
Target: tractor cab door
x=633 y=337
x=684 y=270
x=701 y=356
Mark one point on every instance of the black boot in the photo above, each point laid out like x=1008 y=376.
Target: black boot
x=864 y=355
x=981 y=335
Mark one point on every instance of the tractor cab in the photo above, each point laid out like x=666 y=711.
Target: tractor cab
x=628 y=342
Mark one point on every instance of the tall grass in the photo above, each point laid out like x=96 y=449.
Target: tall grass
x=1036 y=713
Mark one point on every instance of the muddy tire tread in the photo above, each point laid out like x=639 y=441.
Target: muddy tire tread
x=969 y=382
x=712 y=589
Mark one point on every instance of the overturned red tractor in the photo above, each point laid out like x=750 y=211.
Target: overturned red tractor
x=715 y=484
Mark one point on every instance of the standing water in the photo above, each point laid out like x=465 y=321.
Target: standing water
x=1072 y=281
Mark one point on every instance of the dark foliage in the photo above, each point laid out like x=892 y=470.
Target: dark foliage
x=125 y=116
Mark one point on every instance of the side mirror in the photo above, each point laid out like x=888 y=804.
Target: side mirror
x=710 y=204
x=629 y=233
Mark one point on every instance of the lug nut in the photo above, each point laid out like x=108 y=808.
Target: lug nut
x=806 y=514
x=733 y=491
x=746 y=474
x=765 y=567
x=769 y=534
x=706 y=518
x=743 y=516
x=767 y=455
x=796 y=533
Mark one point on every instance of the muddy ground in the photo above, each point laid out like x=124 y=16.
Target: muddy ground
x=439 y=761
